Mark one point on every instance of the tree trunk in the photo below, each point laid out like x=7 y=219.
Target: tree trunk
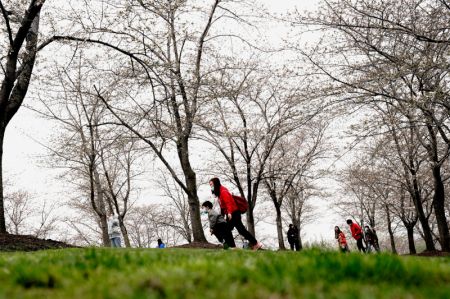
x=412 y=246
x=439 y=208
x=123 y=229
x=104 y=227
x=101 y=213
x=14 y=89
x=279 y=227
x=417 y=200
x=251 y=219
x=300 y=245
x=391 y=233
x=191 y=185
x=251 y=200
x=2 y=206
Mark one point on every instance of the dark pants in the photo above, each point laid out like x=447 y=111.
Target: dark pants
x=360 y=245
x=236 y=222
x=223 y=233
x=295 y=244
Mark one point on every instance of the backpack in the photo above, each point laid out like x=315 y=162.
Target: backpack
x=241 y=203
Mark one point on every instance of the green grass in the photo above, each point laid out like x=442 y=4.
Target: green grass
x=183 y=273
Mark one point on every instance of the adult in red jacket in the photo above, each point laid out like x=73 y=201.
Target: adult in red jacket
x=357 y=234
x=232 y=213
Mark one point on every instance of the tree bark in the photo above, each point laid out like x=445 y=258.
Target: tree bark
x=101 y=213
x=123 y=229
x=251 y=219
x=412 y=246
x=391 y=233
x=2 y=206
x=279 y=228
x=439 y=209
x=417 y=199
x=191 y=185
x=15 y=84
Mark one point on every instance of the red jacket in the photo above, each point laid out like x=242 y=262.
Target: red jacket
x=356 y=231
x=341 y=240
x=226 y=201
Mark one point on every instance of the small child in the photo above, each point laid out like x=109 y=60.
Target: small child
x=342 y=241
x=218 y=226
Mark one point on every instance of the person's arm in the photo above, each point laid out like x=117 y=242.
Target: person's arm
x=213 y=216
x=353 y=230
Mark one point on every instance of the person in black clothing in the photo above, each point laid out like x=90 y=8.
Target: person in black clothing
x=371 y=239
x=293 y=237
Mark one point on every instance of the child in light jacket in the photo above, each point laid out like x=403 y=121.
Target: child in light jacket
x=218 y=226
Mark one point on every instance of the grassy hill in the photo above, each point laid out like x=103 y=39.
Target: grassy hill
x=184 y=273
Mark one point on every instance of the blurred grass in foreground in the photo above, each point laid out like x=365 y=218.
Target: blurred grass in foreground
x=183 y=273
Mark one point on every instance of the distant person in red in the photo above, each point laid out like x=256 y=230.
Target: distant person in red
x=342 y=241
x=357 y=234
x=232 y=213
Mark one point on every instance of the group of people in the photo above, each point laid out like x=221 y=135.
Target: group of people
x=114 y=232
x=222 y=224
x=369 y=236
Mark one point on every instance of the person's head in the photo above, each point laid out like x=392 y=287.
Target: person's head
x=291 y=226
x=214 y=183
x=367 y=228
x=349 y=221
x=337 y=231
x=207 y=205
x=159 y=241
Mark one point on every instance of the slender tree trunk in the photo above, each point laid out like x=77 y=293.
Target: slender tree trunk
x=251 y=200
x=417 y=200
x=101 y=213
x=123 y=229
x=251 y=219
x=2 y=206
x=439 y=209
x=391 y=233
x=300 y=244
x=104 y=227
x=279 y=227
x=412 y=246
x=191 y=185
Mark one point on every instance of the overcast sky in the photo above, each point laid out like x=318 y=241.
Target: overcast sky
x=27 y=133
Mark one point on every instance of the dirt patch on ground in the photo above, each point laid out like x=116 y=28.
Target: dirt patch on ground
x=433 y=253
x=28 y=243
x=198 y=245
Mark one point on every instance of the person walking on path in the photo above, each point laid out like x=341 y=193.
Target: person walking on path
x=114 y=231
x=371 y=239
x=218 y=226
x=233 y=215
x=342 y=241
x=293 y=237
x=357 y=234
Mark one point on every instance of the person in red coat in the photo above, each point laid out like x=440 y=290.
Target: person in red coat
x=357 y=234
x=232 y=213
x=340 y=237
